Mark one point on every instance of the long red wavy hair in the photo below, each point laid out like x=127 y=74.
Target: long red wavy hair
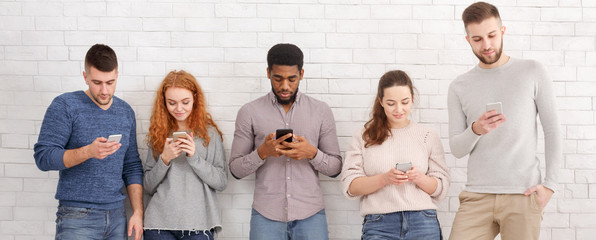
x=377 y=129
x=162 y=123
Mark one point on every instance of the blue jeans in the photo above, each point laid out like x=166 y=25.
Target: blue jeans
x=175 y=235
x=311 y=228
x=88 y=223
x=402 y=225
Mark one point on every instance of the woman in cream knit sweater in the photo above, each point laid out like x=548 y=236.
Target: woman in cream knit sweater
x=396 y=204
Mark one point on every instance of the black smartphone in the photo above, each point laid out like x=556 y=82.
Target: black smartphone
x=281 y=132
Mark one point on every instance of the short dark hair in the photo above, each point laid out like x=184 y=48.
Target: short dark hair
x=285 y=54
x=101 y=57
x=478 y=12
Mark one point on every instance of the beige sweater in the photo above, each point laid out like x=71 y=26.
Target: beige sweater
x=414 y=143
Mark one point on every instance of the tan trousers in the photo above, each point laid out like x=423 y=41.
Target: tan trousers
x=482 y=216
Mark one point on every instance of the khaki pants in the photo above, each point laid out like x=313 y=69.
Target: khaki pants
x=482 y=216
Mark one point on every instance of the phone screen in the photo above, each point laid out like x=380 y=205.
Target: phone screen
x=115 y=138
x=178 y=135
x=281 y=132
x=404 y=167
x=495 y=106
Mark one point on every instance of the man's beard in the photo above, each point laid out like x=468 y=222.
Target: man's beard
x=285 y=102
x=487 y=61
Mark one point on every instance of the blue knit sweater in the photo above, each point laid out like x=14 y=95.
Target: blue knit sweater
x=72 y=121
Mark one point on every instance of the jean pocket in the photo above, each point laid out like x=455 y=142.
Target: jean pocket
x=72 y=212
x=430 y=213
x=370 y=218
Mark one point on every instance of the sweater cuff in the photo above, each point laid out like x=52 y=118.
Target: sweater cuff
x=134 y=179
x=550 y=185
x=58 y=156
x=439 y=188
x=470 y=135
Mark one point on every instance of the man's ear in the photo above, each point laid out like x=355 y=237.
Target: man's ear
x=268 y=74
x=85 y=77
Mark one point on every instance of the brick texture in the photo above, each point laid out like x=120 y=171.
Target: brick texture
x=348 y=45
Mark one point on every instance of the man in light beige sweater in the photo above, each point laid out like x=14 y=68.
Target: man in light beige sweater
x=505 y=192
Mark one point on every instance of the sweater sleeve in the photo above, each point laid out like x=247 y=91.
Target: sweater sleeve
x=353 y=165
x=547 y=110
x=155 y=172
x=462 y=139
x=213 y=170
x=437 y=168
x=53 y=137
x=132 y=171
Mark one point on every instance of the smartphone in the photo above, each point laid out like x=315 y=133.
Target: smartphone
x=115 y=138
x=497 y=106
x=178 y=135
x=404 y=167
x=281 y=132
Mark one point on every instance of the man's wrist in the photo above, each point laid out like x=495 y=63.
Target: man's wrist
x=85 y=152
x=138 y=212
x=474 y=131
x=261 y=155
x=315 y=151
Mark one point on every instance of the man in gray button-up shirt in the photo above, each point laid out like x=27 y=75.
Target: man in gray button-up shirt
x=288 y=200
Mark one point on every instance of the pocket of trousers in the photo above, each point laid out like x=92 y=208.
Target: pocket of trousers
x=71 y=213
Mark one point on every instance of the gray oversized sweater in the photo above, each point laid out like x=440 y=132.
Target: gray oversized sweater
x=505 y=160
x=183 y=193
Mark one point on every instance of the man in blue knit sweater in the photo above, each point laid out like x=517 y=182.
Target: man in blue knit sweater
x=93 y=171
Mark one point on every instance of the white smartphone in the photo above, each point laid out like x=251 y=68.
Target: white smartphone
x=115 y=138
x=178 y=135
x=404 y=167
x=497 y=106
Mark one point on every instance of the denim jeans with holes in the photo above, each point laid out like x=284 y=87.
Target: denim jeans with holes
x=176 y=235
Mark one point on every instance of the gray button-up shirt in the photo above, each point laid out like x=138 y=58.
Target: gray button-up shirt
x=285 y=189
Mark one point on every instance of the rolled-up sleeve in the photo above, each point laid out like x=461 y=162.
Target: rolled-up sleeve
x=328 y=159
x=244 y=159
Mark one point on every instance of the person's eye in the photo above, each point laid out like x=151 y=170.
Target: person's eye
x=186 y=102
x=405 y=103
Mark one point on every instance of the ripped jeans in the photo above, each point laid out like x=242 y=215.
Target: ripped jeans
x=177 y=234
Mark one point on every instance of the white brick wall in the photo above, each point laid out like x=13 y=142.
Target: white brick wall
x=348 y=45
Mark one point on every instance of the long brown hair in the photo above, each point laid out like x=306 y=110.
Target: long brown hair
x=162 y=123
x=377 y=129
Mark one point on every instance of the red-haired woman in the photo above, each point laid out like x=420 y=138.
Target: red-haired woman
x=183 y=173
x=396 y=202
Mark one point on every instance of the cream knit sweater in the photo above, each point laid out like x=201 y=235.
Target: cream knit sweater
x=413 y=143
